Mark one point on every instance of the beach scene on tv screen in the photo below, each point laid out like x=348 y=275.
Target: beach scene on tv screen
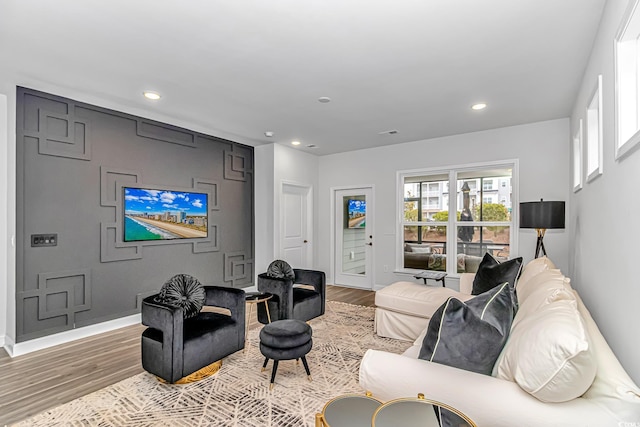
x=357 y=213
x=164 y=214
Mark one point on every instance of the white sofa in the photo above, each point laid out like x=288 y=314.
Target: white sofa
x=611 y=397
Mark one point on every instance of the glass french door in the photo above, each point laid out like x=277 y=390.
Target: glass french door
x=353 y=220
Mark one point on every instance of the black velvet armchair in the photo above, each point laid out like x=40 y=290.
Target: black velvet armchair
x=291 y=299
x=174 y=347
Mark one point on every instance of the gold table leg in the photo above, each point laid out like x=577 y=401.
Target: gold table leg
x=319 y=420
x=246 y=328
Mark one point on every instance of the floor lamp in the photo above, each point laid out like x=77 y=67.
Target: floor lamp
x=541 y=216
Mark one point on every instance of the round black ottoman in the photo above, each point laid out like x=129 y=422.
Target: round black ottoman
x=285 y=340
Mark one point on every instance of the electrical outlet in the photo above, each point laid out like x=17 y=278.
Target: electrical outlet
x=352 y=255
x=386 y=268
x=38 y=240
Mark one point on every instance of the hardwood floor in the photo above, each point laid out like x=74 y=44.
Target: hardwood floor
x=47 y=378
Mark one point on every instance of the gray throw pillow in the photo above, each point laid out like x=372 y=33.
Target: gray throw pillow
x=280 y=269
x=469 y=335
x=183 y=291
x=492 y=273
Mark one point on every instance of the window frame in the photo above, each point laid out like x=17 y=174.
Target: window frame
x=576 y=167
x=452 y=223
x=594 y=132
x=627 y=82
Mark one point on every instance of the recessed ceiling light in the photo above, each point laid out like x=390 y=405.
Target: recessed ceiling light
x=479 y=106
x=154 y=96
x=324 y=99
x=295 y=142
x=268 y=134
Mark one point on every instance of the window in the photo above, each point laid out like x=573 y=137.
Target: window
x=577 y=158
x=594 y=133
x=431 y=239
x=627 y=73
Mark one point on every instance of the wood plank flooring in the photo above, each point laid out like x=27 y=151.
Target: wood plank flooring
x=47 y=378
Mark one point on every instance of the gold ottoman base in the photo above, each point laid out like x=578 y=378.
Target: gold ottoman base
x=201 y=374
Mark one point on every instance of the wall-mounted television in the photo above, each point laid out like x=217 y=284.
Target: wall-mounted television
x=357 y=210
x=151 y=214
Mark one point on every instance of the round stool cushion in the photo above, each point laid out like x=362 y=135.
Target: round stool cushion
x=284 y=334
x=286 y=353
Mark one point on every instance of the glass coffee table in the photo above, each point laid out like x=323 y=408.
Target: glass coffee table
x=349 y=410
x=357 y=410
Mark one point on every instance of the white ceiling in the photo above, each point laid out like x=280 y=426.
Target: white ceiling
x=238 y=68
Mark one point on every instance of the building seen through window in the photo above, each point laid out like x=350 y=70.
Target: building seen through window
x=483 y=221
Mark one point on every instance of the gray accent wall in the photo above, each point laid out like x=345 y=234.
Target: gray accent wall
x=72 y=162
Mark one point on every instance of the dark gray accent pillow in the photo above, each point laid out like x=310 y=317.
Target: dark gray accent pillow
x=492 y=273
x=469 y=335
x=280 y=269
x=183 y=291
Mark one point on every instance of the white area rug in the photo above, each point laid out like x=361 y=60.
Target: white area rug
x=238 y=395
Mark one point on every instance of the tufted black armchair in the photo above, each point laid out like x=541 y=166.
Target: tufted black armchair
x=302 y=298
x=174 y=347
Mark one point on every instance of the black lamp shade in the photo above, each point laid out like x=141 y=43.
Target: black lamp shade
x=542 y=214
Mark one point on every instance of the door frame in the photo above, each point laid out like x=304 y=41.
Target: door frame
x=332 y=245
x=308 y=188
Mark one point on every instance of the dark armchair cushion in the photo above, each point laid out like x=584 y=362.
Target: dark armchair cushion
x=280 y=269
x=183 y=291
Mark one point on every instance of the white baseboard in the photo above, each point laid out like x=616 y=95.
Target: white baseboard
x=18 y=349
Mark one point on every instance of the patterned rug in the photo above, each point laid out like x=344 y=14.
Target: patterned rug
x=238 y=395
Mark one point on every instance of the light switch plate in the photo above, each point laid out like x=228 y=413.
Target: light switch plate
x=38 y=240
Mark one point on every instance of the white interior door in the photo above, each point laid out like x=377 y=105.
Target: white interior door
x=353 y=224
x=295 y=244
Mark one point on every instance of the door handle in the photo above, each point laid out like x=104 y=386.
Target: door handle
x=304 y=241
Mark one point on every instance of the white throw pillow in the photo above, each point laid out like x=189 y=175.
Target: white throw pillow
x=548 y=352
x=533 y=268
x=554 y=289
x=421 y=250
x=547 y=279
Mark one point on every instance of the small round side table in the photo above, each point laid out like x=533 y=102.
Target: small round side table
x=252 y=299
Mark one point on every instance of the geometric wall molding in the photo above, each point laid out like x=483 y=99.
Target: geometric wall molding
x=211 y=187
x=165 y=133
x=62 y=293
x=237 y=269
x=62 y=135
x=111 y=250
x=235 y=166
x=112 y=246
x=211 y=244
x=73 y=161
x=109 y=178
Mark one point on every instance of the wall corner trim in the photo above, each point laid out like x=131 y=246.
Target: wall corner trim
x=18 y=349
